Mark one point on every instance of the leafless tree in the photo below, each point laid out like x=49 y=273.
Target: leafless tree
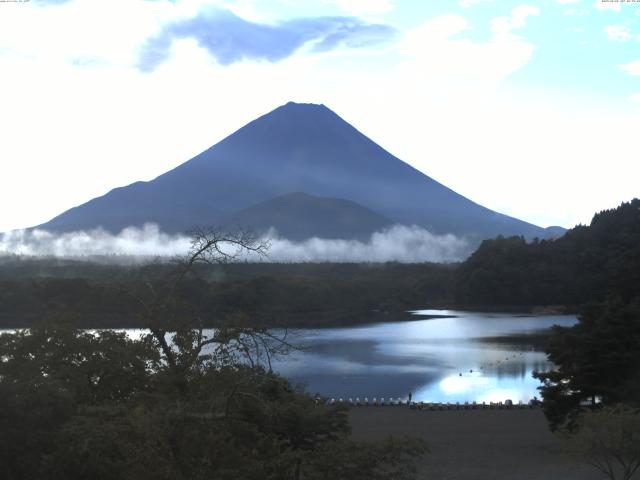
x=178 y=331
x=608 y=439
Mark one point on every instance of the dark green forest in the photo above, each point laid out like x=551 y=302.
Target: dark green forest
x=98 y=294
x=587 y=264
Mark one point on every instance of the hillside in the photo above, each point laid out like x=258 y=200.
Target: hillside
x=587 y=264
x=299 y=216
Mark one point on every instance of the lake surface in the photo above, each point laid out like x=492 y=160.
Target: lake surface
x=439 y=360
x=454 y=359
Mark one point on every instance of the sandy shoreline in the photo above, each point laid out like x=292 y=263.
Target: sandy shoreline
x=475 y=444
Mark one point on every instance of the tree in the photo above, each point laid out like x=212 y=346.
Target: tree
x=179 y=403
x=48 y=373
x=587 y=264
x=596 y=361
x=607 y=439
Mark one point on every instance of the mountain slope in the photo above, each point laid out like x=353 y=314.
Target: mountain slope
x=295 y=148
x=299 y=216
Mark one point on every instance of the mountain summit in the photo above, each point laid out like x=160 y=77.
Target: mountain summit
x=295 y=148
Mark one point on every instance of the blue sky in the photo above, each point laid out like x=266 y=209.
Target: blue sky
x=529 y=108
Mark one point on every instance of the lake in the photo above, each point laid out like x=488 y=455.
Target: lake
x=467 y=357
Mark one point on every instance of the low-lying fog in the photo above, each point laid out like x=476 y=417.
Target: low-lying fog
x=399 y=243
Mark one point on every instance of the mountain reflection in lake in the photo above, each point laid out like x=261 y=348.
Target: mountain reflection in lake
x=453 y=359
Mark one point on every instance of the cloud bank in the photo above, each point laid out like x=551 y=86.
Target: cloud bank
x=144 y=242
x=398 y=243
x=229 y=38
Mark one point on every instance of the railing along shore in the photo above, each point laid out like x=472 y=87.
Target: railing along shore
x=397 y=402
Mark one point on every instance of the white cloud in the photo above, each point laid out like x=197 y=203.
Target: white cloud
x=635 y=97
x=576 y=12
x=471 y=3
x=438 y=29
x=520 y=13
x=398 y=243
x=146 y=241
x=566 y=2
x=632 y=68
x=607 y=5
x=89 y=30
x=517 y=19
x=618 y=33
x=438 y=53
x=364 y=7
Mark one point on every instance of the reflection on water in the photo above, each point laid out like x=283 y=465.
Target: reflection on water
x=453 y=359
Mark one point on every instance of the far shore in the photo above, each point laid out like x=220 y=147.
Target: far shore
x=312 y=319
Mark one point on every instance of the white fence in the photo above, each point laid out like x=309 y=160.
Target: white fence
x=390 y=402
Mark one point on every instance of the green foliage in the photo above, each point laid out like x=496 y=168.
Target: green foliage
x=47 y=373
x=103 y=406
x=607 y=439
x=269 y=294
x=88 y=367
x=587 y=264
x=597 y=360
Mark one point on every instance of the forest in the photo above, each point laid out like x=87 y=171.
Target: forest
x=282 y=295
x=587 y=264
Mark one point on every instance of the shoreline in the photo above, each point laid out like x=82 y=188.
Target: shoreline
x=339 y=319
